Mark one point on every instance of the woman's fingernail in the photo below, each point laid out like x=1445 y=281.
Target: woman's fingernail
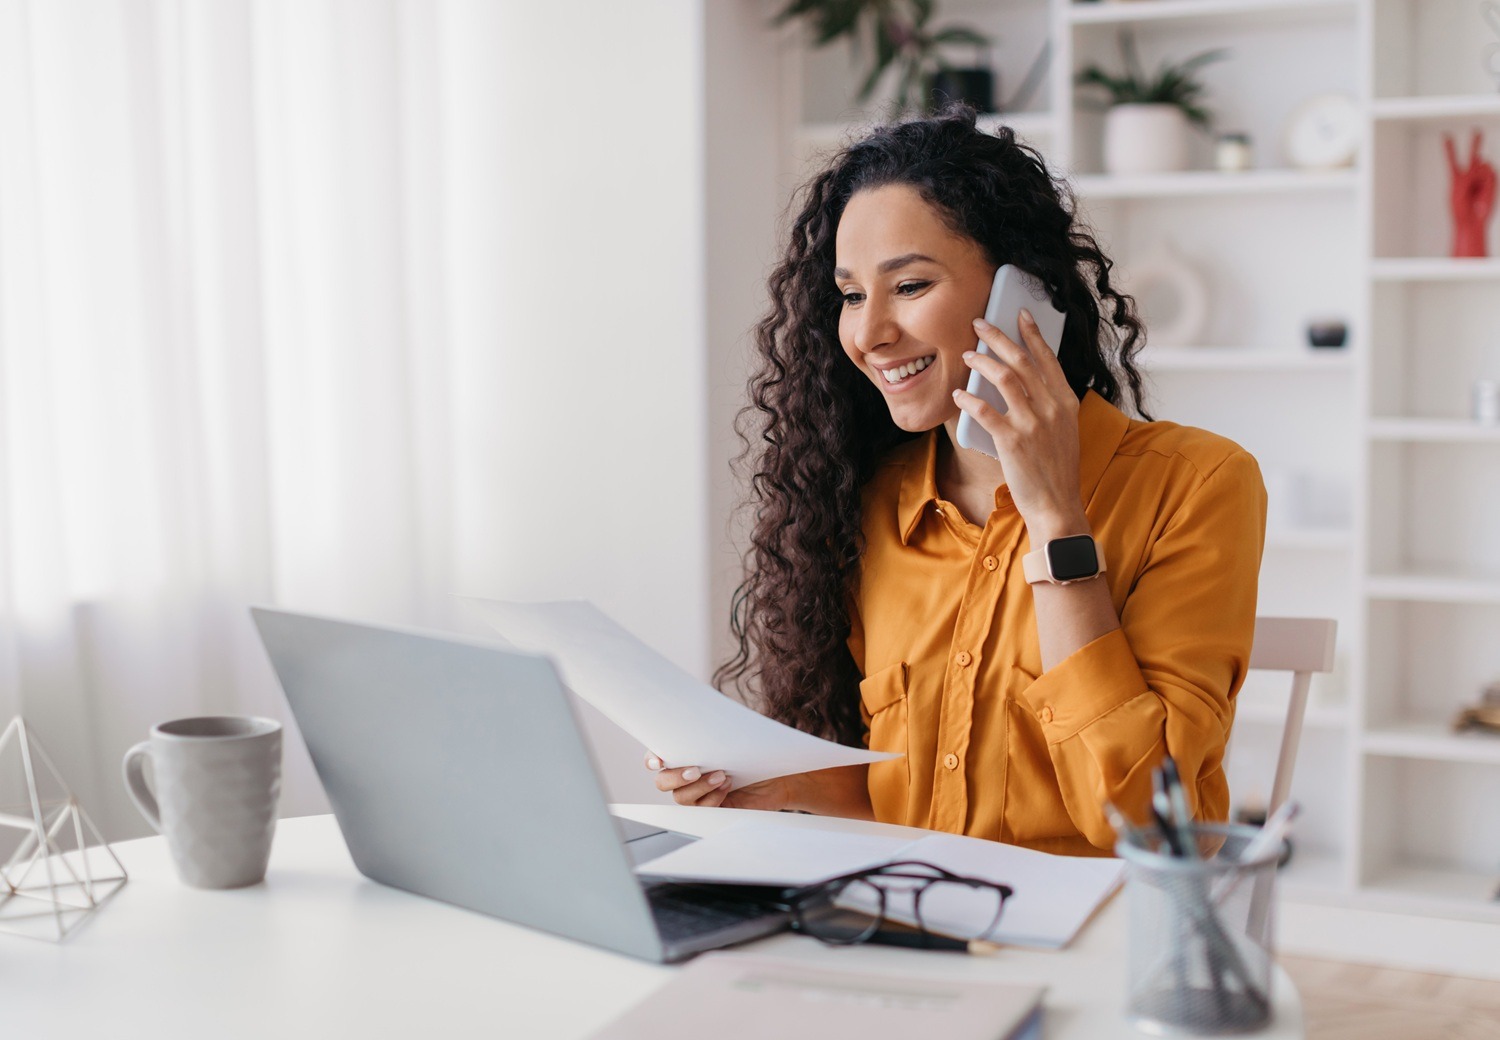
x=691 y=773
x=969 y=355
x=1026 y=317
x=715 y=779
x=980 y=323
x=653 y=763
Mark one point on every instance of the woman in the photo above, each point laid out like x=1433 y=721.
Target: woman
x=887 y=596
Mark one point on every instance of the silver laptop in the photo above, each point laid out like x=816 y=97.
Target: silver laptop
x=458 y=770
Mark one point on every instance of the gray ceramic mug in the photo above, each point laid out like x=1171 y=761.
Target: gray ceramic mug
x=217 y=781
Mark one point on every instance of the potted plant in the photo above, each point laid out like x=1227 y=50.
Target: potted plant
x=1146 y=128
x=902 y=38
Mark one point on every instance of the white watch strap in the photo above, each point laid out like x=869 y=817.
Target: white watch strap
x=1034 y=566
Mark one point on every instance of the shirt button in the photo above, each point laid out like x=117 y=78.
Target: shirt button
x=963 y=659
x=951 y=761
x=1045 y=714
x=990 y=563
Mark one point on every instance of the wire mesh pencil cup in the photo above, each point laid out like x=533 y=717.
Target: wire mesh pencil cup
x=1200 y=933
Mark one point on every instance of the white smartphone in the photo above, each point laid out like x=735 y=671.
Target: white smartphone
x=1011 y=290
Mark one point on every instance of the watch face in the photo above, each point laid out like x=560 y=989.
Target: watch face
x=1072 y=558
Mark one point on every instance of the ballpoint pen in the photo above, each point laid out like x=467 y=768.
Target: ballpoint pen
x=1169 y=789
x=913 y=938
x=1181 y=816
x=1161 y=814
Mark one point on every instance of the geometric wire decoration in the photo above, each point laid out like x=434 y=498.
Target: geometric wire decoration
x=53 y=881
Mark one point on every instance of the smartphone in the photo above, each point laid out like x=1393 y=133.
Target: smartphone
x=1011 y=290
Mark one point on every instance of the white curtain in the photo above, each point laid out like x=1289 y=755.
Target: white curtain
x=239 y=361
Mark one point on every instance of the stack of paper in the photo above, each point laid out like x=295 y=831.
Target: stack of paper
x=1053 y=895
x=736 y=996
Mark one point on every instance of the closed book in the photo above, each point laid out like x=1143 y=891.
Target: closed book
x=737 y=996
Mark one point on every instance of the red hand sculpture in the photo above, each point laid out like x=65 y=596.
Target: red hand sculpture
x=1472 y=198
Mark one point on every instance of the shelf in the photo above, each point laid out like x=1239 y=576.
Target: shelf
x=1457 y=106
x=1213 y=182
x=836 y=135
x=1244 y=359
x=1311 y=872
x=1113 y=12
x=1435 y=431
x=1433 y=588
x=1467 y=894
x=1432 y=741
x=1434 y=269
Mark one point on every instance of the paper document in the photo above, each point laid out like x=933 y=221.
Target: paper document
x=685 y=721
x=1053 y=895
x=738 y=996
x=758 y=853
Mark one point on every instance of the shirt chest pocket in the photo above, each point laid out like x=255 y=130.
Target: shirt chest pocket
x=882 y=697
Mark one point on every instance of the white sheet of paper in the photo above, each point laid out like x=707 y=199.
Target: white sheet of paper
x=685 y=721
x=1053 y=896
x=759 y=853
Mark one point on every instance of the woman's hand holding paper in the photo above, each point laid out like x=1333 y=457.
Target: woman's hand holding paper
x=691 y=785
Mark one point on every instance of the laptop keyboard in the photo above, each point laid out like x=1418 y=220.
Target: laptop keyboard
x=684 y=914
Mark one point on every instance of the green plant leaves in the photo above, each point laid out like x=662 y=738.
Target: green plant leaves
x=1172 y=84
x=901 y=36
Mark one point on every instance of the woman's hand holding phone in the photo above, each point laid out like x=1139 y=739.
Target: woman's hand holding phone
x=1036 y=440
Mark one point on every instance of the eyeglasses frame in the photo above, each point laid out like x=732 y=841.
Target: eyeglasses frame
x=824 y=893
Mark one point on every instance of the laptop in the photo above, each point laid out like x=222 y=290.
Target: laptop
x=457 y=770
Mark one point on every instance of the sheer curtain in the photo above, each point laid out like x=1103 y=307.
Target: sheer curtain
x=247 y=255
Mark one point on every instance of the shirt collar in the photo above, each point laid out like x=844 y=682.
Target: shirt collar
x=1101 y=428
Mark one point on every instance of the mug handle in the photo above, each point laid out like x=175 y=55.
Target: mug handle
x=135 y=785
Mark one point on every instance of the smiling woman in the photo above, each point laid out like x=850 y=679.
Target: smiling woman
x=1033 y=631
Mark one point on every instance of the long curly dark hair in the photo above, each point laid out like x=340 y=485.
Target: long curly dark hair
x=822 y=427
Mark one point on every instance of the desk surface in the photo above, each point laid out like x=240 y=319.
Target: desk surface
x=319 y=950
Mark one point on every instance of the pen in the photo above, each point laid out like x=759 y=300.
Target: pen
x=1161 y=813
x=912 y=938
x=1272 y=832
x=1181 y=817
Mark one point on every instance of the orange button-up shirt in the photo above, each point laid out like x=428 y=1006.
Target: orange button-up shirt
x=943 y=629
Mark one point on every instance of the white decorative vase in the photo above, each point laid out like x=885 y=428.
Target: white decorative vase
x=1145 y=139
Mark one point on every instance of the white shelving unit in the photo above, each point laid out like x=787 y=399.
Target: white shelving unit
x=1250 y=182
x=1398 y=490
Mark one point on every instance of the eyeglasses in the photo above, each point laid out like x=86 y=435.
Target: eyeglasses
x=908 y=892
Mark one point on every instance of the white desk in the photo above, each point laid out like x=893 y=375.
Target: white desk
x=318 y=950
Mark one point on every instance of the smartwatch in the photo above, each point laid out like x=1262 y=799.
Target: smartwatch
x=1063 y=561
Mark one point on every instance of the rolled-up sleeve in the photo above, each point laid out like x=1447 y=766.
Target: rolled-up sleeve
x=1166 y=679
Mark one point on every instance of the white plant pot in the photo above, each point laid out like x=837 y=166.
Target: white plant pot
x=1145 y=139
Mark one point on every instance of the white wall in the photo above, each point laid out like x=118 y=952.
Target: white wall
x=744 y=203
x=586 y=416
